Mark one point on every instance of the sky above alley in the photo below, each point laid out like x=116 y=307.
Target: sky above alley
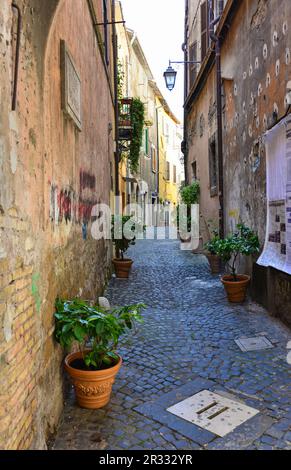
x=159 y=25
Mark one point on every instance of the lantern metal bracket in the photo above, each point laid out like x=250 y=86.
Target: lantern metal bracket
x=184 y=62
x=109 y=22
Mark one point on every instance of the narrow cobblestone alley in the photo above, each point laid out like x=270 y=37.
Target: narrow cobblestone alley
x=186 y=344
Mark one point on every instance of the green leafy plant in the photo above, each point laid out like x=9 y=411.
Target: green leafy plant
x=137 y=122
x=120 y=79
x=190 y=193
x=77 y=320
x=212 y=244
x=244 y=241
x=122 y=243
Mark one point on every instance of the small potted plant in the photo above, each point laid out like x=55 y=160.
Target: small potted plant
x=97 y=331
x=211 y=254
x=243 y=242
x=123 y=237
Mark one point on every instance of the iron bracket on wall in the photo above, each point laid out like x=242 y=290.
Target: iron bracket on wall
x=184 y=62
x=16 y=68
x=109 y=22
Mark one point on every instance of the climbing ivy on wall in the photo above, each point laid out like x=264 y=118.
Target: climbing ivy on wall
x=137 y=122
x=120 y=79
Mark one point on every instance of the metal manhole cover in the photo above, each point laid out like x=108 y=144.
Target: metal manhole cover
x=253 y=344
x=213 y=412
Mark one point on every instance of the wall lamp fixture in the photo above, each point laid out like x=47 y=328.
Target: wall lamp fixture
x=170 y=74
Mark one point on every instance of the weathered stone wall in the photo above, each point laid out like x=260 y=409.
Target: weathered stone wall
x=256 y=63
x=51 y=175
x=256 y=67
x=255 y=71
x=257 y=59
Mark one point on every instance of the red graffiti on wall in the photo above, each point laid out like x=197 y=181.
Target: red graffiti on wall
x=87 y=198
x=64 y=205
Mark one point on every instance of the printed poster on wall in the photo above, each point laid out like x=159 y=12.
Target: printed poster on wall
x=277 y=249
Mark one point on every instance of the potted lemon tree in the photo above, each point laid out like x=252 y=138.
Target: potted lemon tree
x=123 y=239
x=97 y=331
x=242 y=242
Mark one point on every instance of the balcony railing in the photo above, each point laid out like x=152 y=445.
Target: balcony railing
x=125 y=124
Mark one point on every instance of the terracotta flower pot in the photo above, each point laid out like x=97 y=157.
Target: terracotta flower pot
x=122 y=267
x=236 y=290
x=214 y=263
x=93 y=388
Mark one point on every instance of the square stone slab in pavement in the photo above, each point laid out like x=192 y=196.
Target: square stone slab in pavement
x=253 y=344
x=213 y=412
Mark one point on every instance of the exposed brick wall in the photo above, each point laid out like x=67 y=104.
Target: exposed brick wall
x=51 y=175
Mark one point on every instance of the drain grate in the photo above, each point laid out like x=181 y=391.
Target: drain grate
x=253 y=344
x=213 y=412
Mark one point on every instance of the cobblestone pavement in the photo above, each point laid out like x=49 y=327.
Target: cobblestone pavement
x=187 y=337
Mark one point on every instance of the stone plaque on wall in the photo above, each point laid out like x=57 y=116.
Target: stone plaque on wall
x=71 y=87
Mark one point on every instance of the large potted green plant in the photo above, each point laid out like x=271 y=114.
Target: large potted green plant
x=97 y=332
x=242 y=242
x=123 y=240
x=211 y=253
x=189 y=195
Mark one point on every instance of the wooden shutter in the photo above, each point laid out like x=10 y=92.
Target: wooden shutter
x=204 y=29
x=220 y=7
x=168 y=172
x=174 y=174
x=154 y=160
x=146 y=141
x=194 y=170
x=193 y=67
x=105 y=21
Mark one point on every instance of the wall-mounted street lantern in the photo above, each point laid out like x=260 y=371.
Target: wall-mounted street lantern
x=170 y=77
x=170 y=74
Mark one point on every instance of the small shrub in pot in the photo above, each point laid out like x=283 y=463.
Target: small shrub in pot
x=97 y=332
x=212 y=256
x=123 y=241
x=245 y=242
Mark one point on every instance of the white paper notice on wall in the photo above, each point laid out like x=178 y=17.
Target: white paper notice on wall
x=277 y=249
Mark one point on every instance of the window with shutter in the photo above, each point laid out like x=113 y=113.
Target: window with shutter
x=193 y=67
x=204 y=29
x=219 y=7
x=194 y=170
x=146 y=141
x=154 y=160
x=168 y=172
x=105 y=21
x=174 y=174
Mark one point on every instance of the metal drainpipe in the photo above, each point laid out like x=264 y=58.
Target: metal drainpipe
x=16 y=69
x=216 y=39
x=185 y=134
x=116 y=110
